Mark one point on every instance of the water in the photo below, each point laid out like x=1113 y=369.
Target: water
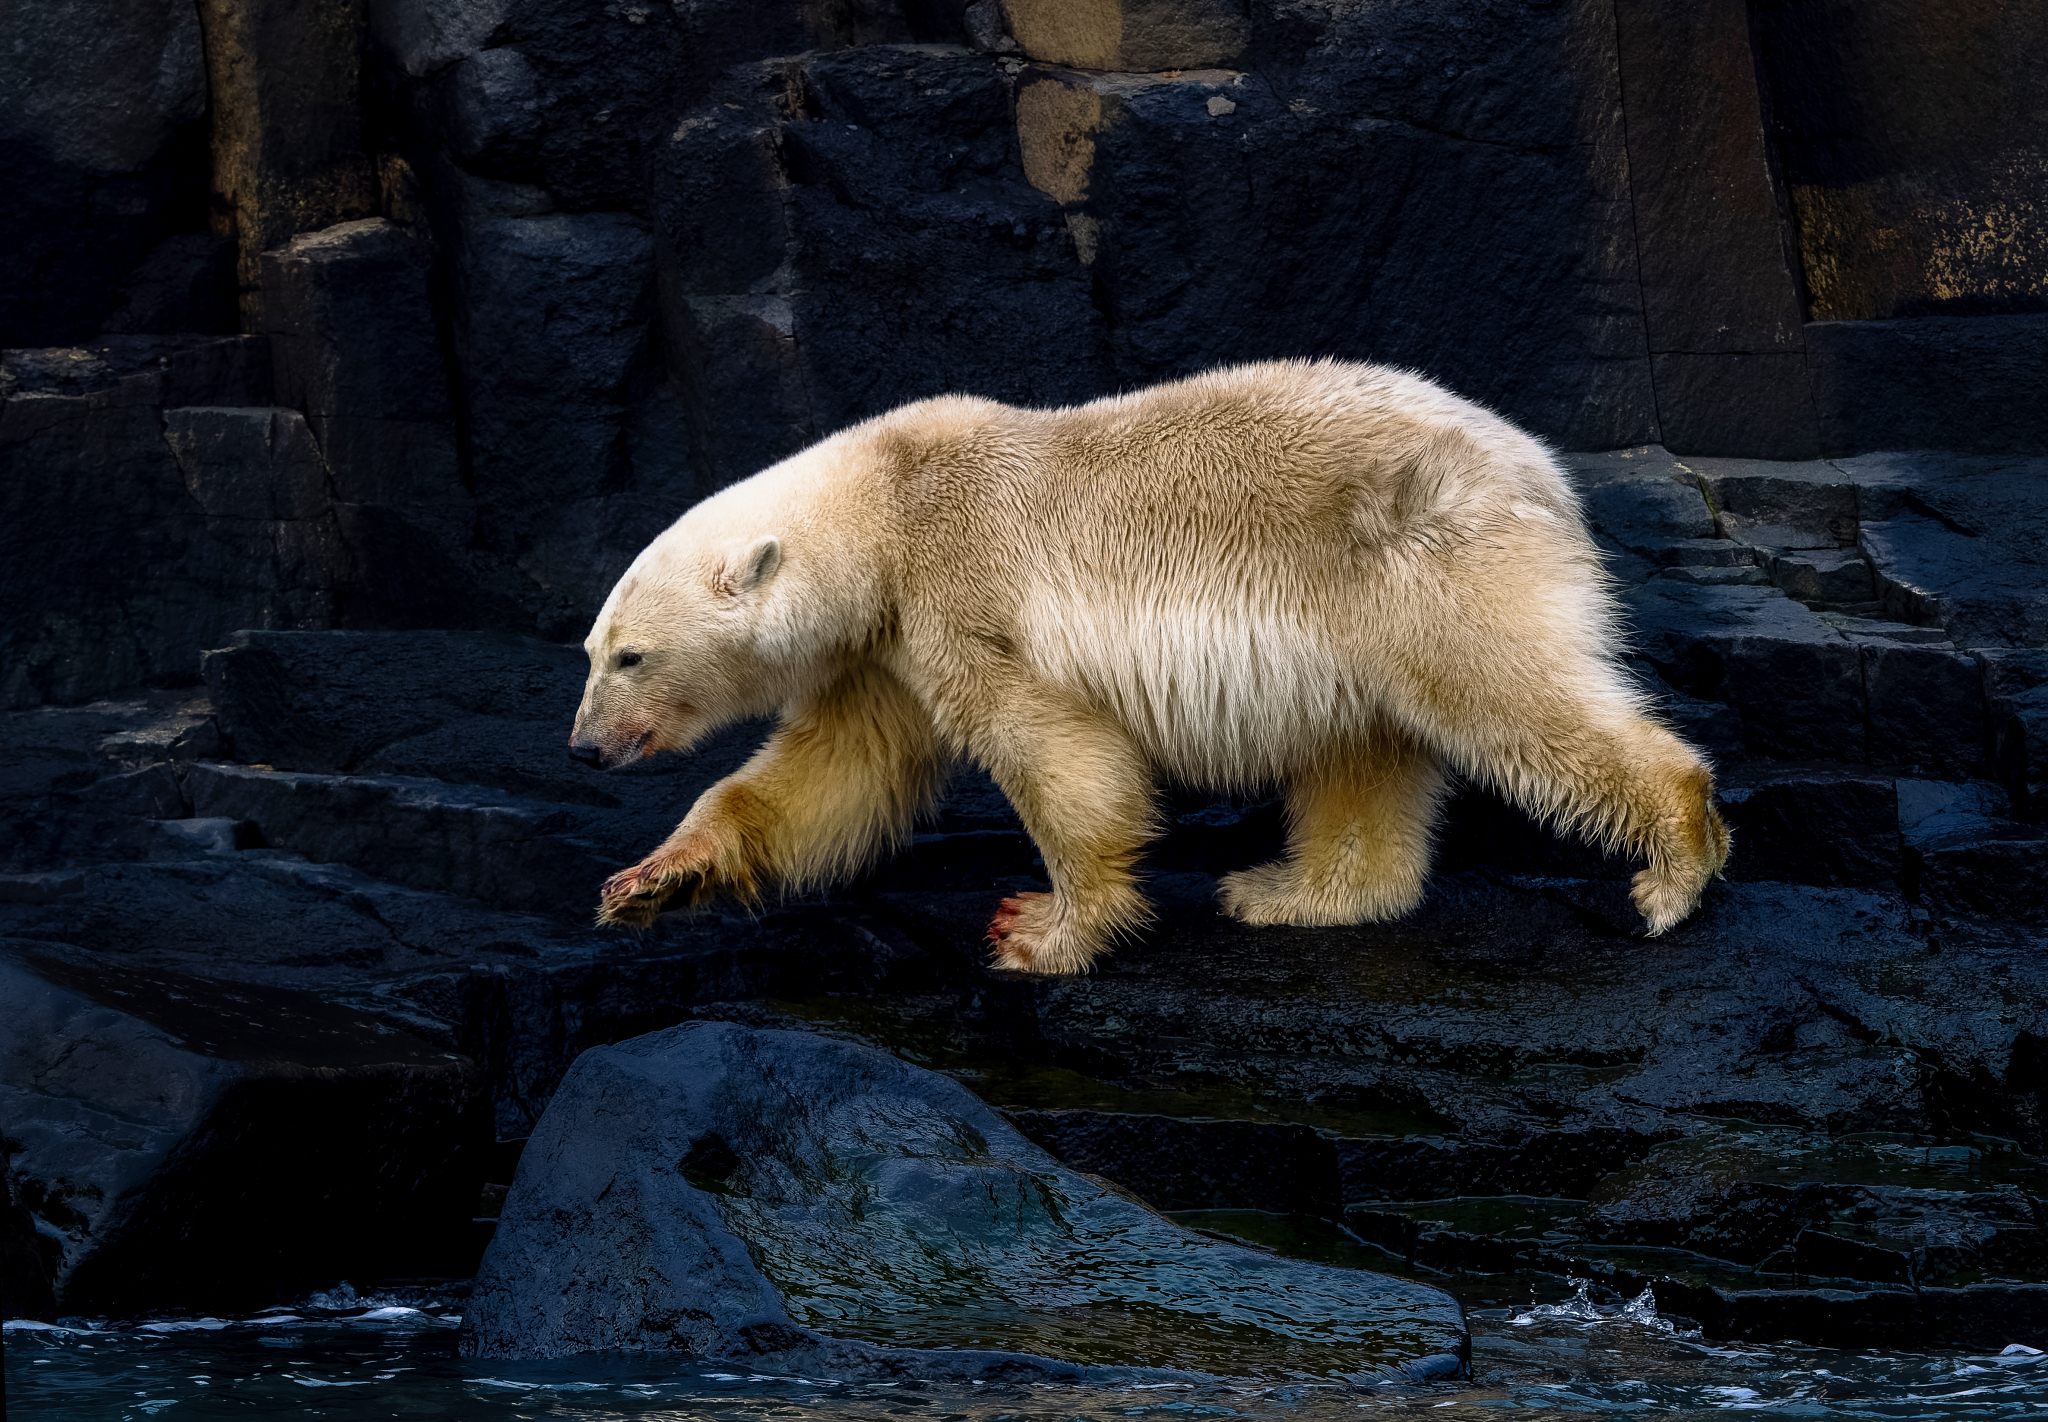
x=393 y=1356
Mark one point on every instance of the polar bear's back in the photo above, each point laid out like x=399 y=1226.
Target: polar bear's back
x=1335 y=452
x=1245 y=551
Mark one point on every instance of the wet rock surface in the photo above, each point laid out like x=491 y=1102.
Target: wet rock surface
x=1814 y=1110
x=784 y=1201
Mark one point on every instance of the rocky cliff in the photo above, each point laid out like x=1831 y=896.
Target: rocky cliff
x=516 y=280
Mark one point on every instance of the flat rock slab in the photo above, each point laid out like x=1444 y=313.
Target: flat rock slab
x=1960 y=541
x=810 y=1205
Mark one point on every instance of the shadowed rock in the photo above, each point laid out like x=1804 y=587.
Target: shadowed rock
x=191 y=1144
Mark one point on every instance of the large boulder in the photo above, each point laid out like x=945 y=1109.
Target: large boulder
x=802 y=1204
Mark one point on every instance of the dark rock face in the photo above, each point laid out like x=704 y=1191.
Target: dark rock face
x=115 y=571
x=1954 y=130
x=154 y=1117
x=538 y=277
x=2016 y=707
x=1220 y=215
x=806 y=255
x=785 y=1201
x=103 y=144
x=1942 y=382
x=1720 y=288
x=187 y=283
x=351 y=323
x=288 y=130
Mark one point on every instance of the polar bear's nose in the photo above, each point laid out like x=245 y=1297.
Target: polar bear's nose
x=587 y=752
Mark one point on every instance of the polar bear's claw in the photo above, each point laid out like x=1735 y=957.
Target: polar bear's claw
x=633 y=898
x=1011 y=935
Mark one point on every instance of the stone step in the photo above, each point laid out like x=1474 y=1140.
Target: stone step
x=426 y=834
x=1812 y=825
x=1810 y=686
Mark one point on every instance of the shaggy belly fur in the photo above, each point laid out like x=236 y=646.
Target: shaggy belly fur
x=1217 y=695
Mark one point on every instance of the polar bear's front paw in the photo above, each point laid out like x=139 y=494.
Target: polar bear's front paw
x=633 y=898
x=1019 y=930
x=1030 y=934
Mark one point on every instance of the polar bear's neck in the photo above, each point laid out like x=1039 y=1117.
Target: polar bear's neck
x=828 y=593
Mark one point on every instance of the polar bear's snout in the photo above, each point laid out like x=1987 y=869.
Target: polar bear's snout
x=607 y=752
x=599 y=752
x=606 y=734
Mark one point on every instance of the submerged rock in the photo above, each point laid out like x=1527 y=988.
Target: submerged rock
x=815 y=1206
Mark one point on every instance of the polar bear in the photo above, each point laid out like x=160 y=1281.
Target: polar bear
x=1334 y=578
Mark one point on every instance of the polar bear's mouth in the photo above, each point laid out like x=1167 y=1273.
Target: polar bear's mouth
x=599 y=756
x=654 y=740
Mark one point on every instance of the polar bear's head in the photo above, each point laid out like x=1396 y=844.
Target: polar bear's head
x=675 y=652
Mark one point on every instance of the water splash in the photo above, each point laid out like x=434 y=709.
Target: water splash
x=306 y=1360
x=1580 y=1309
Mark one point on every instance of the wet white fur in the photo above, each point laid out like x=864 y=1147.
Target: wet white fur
x=1335 y=578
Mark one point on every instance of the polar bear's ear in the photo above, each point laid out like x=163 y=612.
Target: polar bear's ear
x=752 y=566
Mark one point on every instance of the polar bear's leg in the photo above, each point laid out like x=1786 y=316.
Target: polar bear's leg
x=1359 y=828
x=1566 y=741
x=843 y=777
x=1085 y=796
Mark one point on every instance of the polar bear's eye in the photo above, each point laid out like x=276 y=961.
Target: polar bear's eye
x=629 y=659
